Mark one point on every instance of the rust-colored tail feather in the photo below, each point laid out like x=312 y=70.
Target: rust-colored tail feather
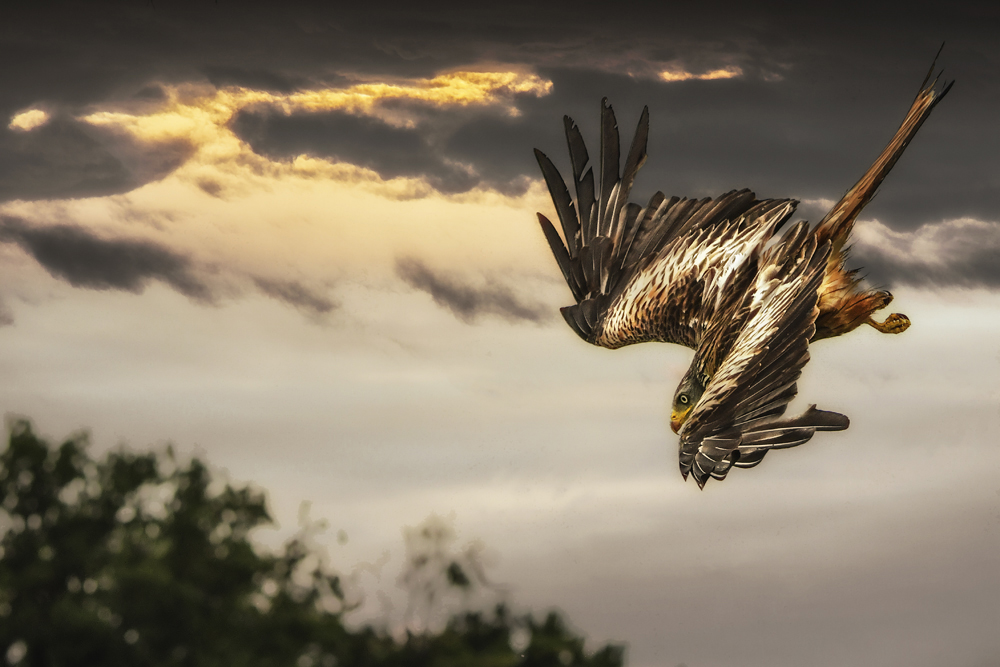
x=837 y=224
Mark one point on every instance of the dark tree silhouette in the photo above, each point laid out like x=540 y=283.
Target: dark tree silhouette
x=135 y=560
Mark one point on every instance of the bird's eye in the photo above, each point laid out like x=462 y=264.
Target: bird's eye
x=682 y=399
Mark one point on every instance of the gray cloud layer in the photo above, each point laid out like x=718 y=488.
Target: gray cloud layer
x=84 y=259
x=468 y=303
x=56 y=160
x=6 y=317
x=295 y=294
x=804 y=120
x=65 y=158
x=963 y=253
x=367 y=142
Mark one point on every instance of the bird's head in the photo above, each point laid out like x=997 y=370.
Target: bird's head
x=688 y=394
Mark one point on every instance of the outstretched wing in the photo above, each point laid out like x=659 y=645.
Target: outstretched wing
x=644 y=274
x=739 y=417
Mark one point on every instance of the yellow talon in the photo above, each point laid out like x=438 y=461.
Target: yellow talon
x=894 y=324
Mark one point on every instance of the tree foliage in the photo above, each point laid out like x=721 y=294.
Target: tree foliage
x=139 y=560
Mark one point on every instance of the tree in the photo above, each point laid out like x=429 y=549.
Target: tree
x=136 y=560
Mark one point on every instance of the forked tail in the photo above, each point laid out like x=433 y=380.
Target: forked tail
x=837 y=224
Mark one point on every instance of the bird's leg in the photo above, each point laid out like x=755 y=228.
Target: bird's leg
x=894 y=324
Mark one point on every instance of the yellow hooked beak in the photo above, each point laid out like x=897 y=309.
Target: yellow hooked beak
x=677 y=419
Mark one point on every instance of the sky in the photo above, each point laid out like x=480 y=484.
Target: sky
x=301 y=243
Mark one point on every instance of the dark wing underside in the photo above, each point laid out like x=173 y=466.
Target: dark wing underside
x=739 y=417
x=644 y=274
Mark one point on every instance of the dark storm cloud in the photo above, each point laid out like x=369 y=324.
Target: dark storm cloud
x=65 y=158
x=295 y=294
x=151 y=93
x=367 y=142
x=508 y=169
x=6 y=317
x=958 y=253
x=57 y=159
x=468 y=303
x=83 y=259
x=810 y=134
x=454 y=150
x=833 y=100
x=821 y=92
x=789 y=138
x=260 y=79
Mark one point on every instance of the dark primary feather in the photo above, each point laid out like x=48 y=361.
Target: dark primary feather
x=609 y=165
x=583 y=182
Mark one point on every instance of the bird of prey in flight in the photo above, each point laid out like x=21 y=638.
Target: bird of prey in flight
x=705 y=273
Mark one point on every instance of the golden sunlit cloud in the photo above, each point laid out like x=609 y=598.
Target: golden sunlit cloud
x=675 y=74
x=317 y=231
x=455 y=89
x=222 y=163
x=243 y=220
x=28 y=120
x=190 y=109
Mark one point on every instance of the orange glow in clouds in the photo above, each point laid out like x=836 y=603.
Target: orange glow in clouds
x=310 y=219
x=28 y=120
x=189 y=107
x=677 y=74
x=200 y=115
x=324 y=226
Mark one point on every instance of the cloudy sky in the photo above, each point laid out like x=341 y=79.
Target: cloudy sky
x=302 y=243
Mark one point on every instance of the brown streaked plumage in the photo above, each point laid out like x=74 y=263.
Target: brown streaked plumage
x=703 y=274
